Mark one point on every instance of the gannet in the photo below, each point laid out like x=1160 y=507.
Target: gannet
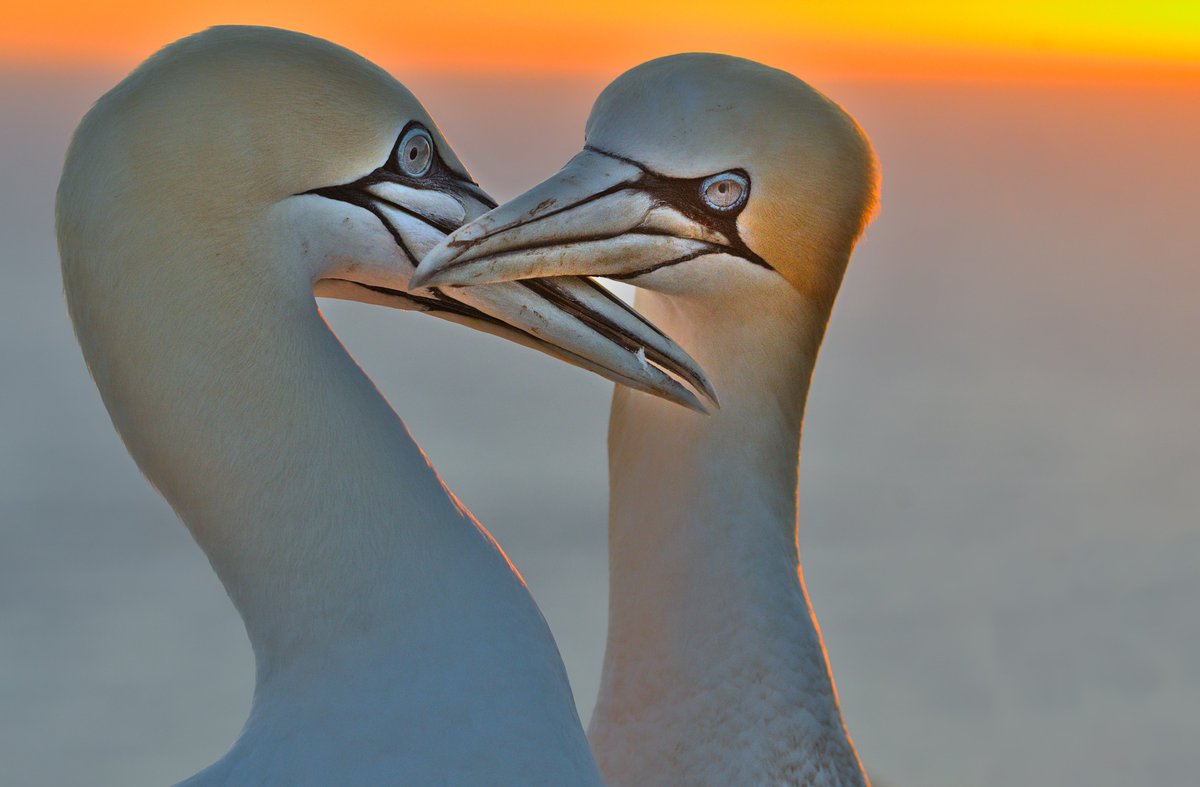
x=732 y=195
x=203 y=201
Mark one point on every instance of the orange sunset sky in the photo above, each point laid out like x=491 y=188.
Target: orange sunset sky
x=921 y=39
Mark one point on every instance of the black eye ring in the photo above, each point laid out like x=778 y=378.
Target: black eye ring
x=725 y=192
x=414 y=154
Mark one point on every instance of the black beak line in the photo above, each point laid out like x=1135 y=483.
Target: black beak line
x=679 y=194
x=440 y=177
x=683 y=195
x=550 y=290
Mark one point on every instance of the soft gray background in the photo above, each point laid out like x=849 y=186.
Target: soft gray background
x=1000 y=492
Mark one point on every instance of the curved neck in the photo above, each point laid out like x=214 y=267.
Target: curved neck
x=292 y=473
x=711 y=637
x=378 y=609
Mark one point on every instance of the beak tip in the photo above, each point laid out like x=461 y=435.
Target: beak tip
x=428 y=274
x=436 y=269
x=419 y=279
x=683 y=397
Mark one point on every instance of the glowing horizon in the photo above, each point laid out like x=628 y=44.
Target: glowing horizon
x=928 y=39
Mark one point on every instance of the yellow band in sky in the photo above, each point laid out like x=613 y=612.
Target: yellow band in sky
x=903 y=39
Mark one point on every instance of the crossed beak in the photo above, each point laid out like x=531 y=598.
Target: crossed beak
x=601 y=215
x=573 y=319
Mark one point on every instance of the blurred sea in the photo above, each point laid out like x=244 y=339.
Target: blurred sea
x=1000 y=516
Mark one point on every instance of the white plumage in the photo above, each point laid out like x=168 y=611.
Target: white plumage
x=202 y=201
x=732 y=194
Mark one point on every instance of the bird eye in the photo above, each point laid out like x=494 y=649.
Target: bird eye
x=415 y=153
x=725 y=192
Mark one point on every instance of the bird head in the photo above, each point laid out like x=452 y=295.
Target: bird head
x=702 y=175
x=286 y=163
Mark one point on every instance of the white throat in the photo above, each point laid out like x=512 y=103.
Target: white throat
x=393 y=641
x=715 y=672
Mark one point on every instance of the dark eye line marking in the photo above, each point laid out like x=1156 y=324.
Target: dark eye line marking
x=357 y=193
x=736 y=245
x=646 y=182
x=438 y=177
x=682 y=194
x=394 y=156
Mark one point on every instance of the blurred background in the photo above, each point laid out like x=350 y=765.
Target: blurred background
x=1000 y=492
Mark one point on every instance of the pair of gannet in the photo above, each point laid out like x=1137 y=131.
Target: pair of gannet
x=209 y=195
x=732 y=195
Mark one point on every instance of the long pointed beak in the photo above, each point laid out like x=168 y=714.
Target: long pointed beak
x=575 y=320
x=599 y=216
x=572 y=319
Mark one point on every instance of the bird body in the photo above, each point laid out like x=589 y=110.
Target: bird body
x=731 y=194
x=202 y=202
x=392 y=639
x=715 y=672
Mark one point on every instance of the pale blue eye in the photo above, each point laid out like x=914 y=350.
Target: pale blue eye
x=725 y=192
x=415 y=153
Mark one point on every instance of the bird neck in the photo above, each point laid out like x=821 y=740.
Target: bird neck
x=375 y=604
x=288 y=468
x=710 y=630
